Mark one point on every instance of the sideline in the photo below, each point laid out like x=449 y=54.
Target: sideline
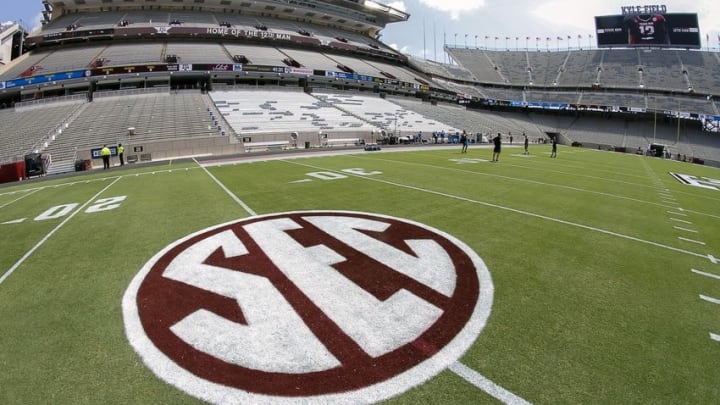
x=19 y=198
x=52 y=232
x=514 y=210
x=230 y=193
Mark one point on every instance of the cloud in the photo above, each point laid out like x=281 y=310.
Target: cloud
x=36 y=22
x=454 y=7
x=398 y=5
x=562 y=15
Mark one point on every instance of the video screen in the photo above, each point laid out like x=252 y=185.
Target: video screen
x=677 y=30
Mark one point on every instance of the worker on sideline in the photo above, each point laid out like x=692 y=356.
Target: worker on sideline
x=121 y=151
x=105 y=154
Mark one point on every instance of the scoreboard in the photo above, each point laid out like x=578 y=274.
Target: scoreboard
x=657 y=29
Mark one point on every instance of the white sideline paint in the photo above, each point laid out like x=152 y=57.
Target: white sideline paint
x=496 y=391
x=20 y=198
x=680 y=220
x=677 y=213
x=685 y=229
x=691 y=241
x=51 y=233
x=702 y=273
x=715 y=337
x=710 y=299
x=230 y=193
x=514 y=210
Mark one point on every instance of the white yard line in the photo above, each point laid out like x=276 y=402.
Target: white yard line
x=680 y=214
x=702 y=273
x=715 y=337
x=20 y=198
x=697 y=242
x=681 y=221
x=494 y=390
x=230 y=193
x=513 y=210
x=685 y=229
x=51 y=233
x=710 y=299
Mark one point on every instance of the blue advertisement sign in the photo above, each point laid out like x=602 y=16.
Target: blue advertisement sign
x=53 y=77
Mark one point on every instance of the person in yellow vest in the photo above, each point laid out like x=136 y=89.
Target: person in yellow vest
x=105 y=154
x=121 y=151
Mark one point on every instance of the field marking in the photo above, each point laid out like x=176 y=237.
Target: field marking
x=514 y=210
x=62 y=185
x=713 y=259
x=20 y=198
x=691 y=241
x=710 y=299
x=468 y=374
x=576 y=167
x=527 y=181
x=494 y=390
x=685 y=229
x=715 y=337
x=702 y=273
x=52 y=232
x=681 y=221
x=227 y=190
x=569 y=164
x=680 y=214
x=17 y=221
x=537 y=182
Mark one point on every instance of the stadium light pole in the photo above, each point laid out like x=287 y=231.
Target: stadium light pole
x=455 y=42
x=476 y=47
x=466 y=41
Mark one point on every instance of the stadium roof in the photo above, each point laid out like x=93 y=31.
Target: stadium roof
x=369 y=12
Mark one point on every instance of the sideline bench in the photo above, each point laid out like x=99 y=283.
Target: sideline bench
x=342 y=141
x=269 y=145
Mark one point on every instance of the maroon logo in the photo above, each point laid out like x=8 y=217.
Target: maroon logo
x=307 y=306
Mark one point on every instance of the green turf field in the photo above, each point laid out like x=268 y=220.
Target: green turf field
x=606 y=286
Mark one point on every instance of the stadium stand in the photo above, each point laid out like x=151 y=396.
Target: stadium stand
x=154 y=117
x=382 y=113
x=282 y=112
x=26 y=130
x=268 y=75
x=202 y=52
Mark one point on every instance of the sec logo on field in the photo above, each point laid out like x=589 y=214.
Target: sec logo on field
x=307 y=307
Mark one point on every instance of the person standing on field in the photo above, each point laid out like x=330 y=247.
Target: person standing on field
x=105 y=154
x=497 y=142
x=526 y=144
x=121 y=151
x=553 y=153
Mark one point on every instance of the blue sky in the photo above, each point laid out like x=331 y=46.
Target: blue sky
x=468 y=22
